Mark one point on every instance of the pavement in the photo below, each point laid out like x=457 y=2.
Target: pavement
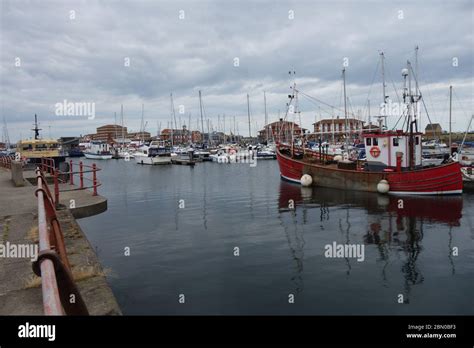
x=20 y=289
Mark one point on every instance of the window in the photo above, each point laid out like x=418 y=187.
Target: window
x=376 y=141
x=396 y=141
x=368 y=141
x=417 y=140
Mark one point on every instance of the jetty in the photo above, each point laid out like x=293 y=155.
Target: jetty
x=39 y=208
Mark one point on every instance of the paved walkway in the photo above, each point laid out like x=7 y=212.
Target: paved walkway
x=20 y=291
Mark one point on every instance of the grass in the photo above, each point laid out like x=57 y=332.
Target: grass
x=79 y=274
x=33 y=234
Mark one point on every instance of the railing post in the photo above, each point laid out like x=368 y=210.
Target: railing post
x=81 y=175
x=94 y=178
x=71 y=175
x=56 y=188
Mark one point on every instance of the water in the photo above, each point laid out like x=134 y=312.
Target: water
x=190 y=250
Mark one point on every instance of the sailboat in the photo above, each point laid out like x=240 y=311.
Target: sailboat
x=393 y=164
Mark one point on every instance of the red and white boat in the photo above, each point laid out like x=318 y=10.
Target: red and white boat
x=393 y=164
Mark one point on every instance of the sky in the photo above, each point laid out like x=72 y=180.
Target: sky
x=110 y=53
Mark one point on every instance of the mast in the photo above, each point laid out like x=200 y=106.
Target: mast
x=266 y=116
x=225 y=138
x=121 y=115
x=248 y=114
x=416 y=70
x=190 y=134
x=368 y=106
x=173 y=113
x=142 y=126
x=202 y=120
x=36 y=129
x=450 y=113
x=408 y=99
x=345 y=105
x=384 y=96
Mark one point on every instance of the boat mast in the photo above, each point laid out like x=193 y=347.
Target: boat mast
x=121 y=115
x=384 y=96
x=415 y=73
x=225 y=138
x=345 y=105
x=173 y=113
x=408 y=99
x=248 y=114
x=142 y=126
x=450 y=113
x=190 y=134
x=266 y=116
x=36 y=129
x=202 y=120
x=368 y=107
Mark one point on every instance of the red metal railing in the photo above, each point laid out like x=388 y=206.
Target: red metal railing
x=83 y=170
x=52 y=265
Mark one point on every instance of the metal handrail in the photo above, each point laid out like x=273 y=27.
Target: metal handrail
x=52 y=265
x=48 y=165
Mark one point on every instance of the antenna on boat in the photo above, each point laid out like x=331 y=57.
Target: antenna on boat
x=36 y=129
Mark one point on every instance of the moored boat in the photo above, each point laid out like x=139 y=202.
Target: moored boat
x=98 y=150
x=393 y=162
x=34 y=150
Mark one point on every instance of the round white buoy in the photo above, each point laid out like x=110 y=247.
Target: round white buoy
x=383 y=186
x=306 y=180
x=338 y=158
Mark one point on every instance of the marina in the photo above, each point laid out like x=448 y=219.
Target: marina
x=254 y=167
x=190 y=250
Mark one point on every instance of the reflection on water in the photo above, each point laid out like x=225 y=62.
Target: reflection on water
x=395 y=224
x=281 y=230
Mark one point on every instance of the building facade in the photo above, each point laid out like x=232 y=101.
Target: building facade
x=181 y=136
x=433 y=130
x=280 y=131
x=338 y=127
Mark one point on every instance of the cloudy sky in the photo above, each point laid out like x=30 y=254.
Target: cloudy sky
x=138 y=52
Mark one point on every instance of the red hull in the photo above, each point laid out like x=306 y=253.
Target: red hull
x=444 y=179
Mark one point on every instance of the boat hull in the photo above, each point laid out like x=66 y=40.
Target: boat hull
x=152 y=160
x=97 y=156
x=441 y=180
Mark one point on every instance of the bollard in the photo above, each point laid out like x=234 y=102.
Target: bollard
x=94 y=178
x=81 y=175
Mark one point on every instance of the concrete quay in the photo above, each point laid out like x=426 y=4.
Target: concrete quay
x=20 y=289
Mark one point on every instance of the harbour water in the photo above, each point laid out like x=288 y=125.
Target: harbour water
x=182 y=226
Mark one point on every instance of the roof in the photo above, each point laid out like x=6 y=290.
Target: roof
x=38 y=141
x=432 y=126
x=338 y=119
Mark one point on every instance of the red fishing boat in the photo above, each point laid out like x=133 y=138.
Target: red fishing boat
x=393 y=164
